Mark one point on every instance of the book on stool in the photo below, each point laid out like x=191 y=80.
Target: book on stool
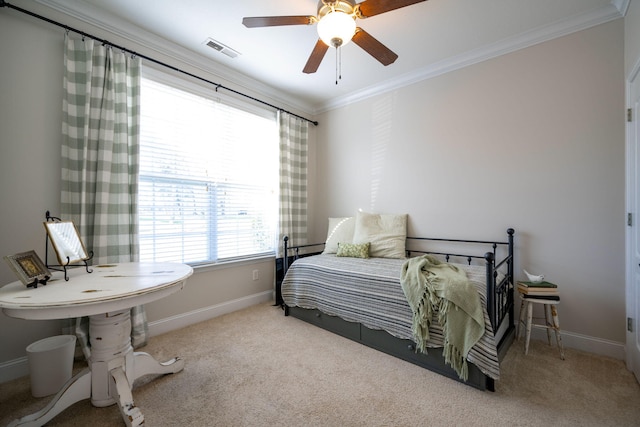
x=547 y=297
x=539 y=290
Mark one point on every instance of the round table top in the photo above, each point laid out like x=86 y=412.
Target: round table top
x=109 y=287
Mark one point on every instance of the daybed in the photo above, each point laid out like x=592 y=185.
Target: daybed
x=362 y=299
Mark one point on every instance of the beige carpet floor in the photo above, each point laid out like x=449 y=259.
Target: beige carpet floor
x=256 y=367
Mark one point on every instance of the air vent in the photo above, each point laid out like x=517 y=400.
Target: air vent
x=220 y=47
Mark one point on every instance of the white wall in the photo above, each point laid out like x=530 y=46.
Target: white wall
x=532 y=140
x=30 y=136
x=30 y=127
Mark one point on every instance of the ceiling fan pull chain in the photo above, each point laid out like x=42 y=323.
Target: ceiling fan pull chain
x=337 y=48
x=338 y=64
x=340 y=57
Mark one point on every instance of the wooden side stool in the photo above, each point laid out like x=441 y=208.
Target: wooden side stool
x=551 y=320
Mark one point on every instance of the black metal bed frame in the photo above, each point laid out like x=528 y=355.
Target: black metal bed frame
x=500 y=306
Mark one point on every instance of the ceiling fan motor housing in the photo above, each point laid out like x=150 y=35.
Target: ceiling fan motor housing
x=326 y=6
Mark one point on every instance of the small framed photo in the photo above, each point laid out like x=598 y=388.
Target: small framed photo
x=29 y=268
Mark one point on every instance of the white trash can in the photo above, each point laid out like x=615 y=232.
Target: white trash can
x=50 y=364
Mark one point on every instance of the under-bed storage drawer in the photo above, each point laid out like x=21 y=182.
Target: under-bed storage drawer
x=332 y=323
x=405 y=349
x=383 y=341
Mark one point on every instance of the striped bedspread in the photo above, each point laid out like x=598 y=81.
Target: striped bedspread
x=368 y=291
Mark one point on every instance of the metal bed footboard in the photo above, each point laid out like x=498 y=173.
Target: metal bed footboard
x=499 y=293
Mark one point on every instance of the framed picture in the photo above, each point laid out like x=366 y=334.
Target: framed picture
x=29 y=268
x=66 y=242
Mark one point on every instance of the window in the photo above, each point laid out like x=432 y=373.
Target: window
x=208 y=178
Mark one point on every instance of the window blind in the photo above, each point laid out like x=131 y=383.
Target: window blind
x=208 y=178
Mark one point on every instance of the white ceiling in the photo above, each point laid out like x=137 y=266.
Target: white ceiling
x=430 y=38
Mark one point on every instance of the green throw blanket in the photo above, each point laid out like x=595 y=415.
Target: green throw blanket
x=429 y=285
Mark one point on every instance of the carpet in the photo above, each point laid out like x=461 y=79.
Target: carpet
x=256 y=367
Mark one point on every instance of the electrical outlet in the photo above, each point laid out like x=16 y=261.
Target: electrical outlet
x=255 y=274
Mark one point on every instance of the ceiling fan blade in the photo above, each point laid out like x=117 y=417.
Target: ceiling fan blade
x=373 y=47
x=316 y=57
x=376 y=7
x=274 y=21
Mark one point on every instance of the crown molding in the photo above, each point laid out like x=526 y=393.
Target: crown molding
x=622 y=6
x=615 y=10
x=86 y=13
x=113 y=25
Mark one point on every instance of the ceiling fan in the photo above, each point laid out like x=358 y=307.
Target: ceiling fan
x=336 y=21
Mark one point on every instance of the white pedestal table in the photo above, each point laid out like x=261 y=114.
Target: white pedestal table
x=106 y=295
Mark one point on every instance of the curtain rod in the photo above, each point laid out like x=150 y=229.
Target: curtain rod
x=155 y=61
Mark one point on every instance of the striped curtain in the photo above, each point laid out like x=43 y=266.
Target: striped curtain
x=100 y=154
x=294 y=135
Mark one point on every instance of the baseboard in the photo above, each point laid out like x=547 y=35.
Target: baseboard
x=19 y=367
x=586 y=343
x=12 y=369
x=182 y=320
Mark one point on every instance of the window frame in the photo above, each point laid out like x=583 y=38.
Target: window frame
x=207 y=91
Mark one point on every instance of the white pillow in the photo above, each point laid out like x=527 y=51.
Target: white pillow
x=386 y=233
x=340 y=231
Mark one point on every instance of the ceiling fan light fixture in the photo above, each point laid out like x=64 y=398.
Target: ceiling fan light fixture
x=336 y=28
x=336 y=25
